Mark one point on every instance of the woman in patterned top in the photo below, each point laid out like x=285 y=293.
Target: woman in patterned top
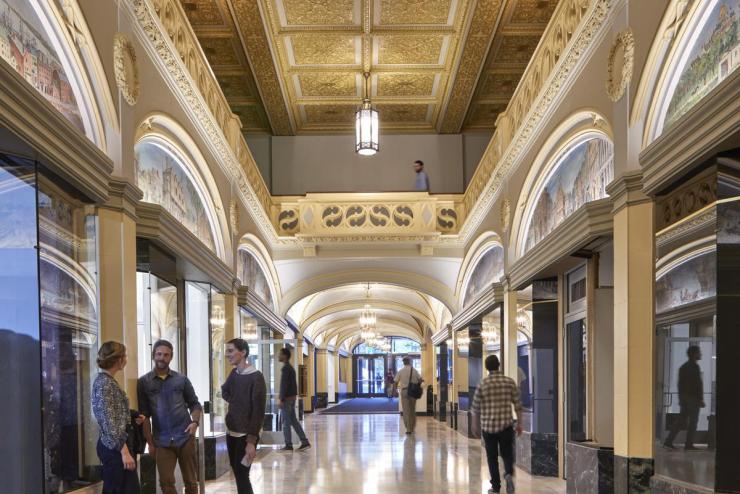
x=110 y=406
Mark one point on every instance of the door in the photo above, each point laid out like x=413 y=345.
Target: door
x=370 y=375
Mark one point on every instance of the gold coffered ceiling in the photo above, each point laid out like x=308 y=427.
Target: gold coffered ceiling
x=295 y=66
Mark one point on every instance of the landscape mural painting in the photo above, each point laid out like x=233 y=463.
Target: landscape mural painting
x=690 y=281
x=490 y=269
x=164 y=181
x=580 y=176
x=251 y=275
x=714 y=55
x=25 y=47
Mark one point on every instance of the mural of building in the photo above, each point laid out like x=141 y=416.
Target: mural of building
x=690 y=281
x=580 y=176
x=163 y=180
x=30 y=53
x=251 y=275
x=490 y=269
x=716 y=54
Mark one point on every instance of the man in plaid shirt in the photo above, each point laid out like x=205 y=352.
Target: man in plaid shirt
x=492 y=406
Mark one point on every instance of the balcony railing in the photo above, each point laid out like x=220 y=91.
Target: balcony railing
x=398 y=214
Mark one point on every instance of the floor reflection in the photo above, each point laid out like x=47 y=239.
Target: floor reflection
x=371 y=454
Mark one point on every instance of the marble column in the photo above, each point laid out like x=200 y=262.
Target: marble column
x=322 y=388
x=117 y=276
x=634 y=264
x=443 y=385
x=510 y=333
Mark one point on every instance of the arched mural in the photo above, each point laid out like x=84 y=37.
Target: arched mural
x=692 y=280
x=165 y=180
x=25 y=46
x=489 y=269
x=251 y=275
x=712 y=54
x=579 y=175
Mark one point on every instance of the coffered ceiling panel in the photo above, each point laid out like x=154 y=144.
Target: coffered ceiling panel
x=435 y=65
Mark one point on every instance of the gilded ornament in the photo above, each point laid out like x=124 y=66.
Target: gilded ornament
x=505 y=215
x=624 y=45
x=125 y=68
x=234 y=217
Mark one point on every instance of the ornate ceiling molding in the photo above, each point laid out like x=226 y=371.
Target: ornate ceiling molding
x=125 y=68
x=616 y=84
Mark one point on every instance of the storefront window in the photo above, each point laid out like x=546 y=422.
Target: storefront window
x=218 y=358
x=156 y=310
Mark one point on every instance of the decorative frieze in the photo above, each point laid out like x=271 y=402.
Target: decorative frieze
x=686 y=200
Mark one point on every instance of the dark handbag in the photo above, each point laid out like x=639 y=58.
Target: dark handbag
x=414 y=390
x=135 y=439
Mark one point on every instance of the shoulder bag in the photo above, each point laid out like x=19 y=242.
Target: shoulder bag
x=413 y=390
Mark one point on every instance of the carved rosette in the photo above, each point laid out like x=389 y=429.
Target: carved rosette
x=125 y=68
x=624 y=45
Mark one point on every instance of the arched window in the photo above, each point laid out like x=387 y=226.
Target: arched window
x=164 y=177
x=710 y=52
x=251 y=274
x=488 y=270
x=578 y=175
x=27 y=48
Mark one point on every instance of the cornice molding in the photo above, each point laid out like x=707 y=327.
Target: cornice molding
x=590 y=222
x=247 y=298
x=66 y=151
x=697 y=135
x=626 y=190
x=158 y=225
x=695 y=226
x=493 y=295
x=442 y=335
x=124 y=197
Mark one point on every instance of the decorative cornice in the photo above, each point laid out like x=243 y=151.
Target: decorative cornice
x=124 y=197
x=155 y=223
x=442 y=335
x=626 y=190
x=590 y=222
x=702 y=223
x=617 y=84
x=694 y=137
x=493 y=295
x=247 y=298
x=66 y=151
x=554 y=66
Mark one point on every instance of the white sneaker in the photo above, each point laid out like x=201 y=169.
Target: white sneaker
x=509 y=483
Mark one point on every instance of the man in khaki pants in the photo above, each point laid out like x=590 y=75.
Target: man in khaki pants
x=408 y=404
x=168 y=398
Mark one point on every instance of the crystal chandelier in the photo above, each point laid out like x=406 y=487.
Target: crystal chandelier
x=368 y=320
x=249 y=328
x=463 y=341
x=490 y=333
x=366 y=125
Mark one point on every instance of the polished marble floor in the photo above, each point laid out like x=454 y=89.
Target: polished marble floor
x=371 y=454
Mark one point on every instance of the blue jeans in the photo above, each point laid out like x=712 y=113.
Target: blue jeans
x=290 y=420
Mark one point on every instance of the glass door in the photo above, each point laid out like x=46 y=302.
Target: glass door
x=576 y=348
x=370 y=375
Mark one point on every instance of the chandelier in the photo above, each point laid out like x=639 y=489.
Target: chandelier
x=490 y=333
x=249 y=328
x=463 y=341
x=368 y=320
x=366 y=125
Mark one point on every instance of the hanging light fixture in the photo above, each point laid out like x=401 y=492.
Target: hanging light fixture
x=249 y=328
x=366 y=125
x=368 y=320
x=490 y=333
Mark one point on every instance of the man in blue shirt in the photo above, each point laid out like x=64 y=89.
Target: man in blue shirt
x=168 y=399
x=422 y=179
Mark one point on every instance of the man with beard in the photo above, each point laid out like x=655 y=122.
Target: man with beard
x=168 y=398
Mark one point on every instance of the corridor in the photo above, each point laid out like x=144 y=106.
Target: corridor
x=370 y=454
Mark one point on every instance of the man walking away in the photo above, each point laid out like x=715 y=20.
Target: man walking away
x=286 y=401
x=404 y=377
x=492 y=407
x=690 y=399
x=422 y=179
x=168 y=399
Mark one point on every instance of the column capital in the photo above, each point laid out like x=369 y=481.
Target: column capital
x=123 y=196
x=627 y=190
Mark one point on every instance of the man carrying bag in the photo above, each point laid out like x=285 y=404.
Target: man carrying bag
x=409 y=381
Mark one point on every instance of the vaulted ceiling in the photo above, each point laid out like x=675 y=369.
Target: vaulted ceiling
x=295 y=66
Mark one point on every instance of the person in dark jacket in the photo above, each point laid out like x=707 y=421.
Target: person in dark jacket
x=690 y=399
x=286 y=401
x=245 y=392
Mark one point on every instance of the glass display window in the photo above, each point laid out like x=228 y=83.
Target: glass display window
x=157 y=318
